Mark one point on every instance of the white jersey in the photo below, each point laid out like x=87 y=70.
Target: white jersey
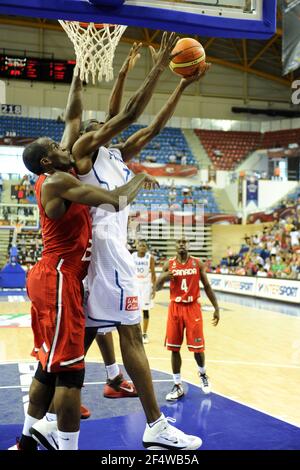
x=143 y=274
x=113 y=292
x=142 y=265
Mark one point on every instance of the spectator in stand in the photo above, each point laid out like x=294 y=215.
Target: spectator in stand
x=26 y=184
x=240 y=270
x=262 y=272
x=295 y=237
x=183 y=160
x=218 y=153
x=31 y=199
x=188 y=197
x=172 y=158
x=172 y=195
x=224 y=269
x=276 y=173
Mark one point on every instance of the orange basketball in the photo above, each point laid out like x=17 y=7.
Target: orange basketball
x=190 y=58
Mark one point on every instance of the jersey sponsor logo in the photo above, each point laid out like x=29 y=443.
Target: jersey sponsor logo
x=184 y=272
x=198 y=340
x=132 y=303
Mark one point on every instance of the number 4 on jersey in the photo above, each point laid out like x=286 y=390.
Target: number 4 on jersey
x=184 y=286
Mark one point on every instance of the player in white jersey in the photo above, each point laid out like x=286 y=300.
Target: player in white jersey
x=113 y=293
x=146 y=277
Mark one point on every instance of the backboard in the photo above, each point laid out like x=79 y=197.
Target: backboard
x=254 y=19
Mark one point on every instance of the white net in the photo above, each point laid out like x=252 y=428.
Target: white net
x=94 y=47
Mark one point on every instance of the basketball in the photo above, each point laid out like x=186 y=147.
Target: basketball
x=191 y=55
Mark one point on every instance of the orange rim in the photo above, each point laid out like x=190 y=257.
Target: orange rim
x=97 y=25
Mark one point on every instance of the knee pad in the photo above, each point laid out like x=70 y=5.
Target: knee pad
x=45 y=378
x=146 y=314
x=72 y=379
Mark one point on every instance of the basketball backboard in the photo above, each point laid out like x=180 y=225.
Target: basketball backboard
x=225 y=18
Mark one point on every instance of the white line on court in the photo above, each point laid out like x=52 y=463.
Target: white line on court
x=244 y=363
x=4 y=387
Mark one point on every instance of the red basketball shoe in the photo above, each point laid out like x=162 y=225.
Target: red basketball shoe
x=119 y=388
x=85 y=412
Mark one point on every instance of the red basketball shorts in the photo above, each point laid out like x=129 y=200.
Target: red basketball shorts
x=185 y=316
x=57 y=317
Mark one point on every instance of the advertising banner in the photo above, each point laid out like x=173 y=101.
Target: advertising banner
x=275 y=289
x=169 y=169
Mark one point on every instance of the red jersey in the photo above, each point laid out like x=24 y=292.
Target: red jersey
x=185 y=286
x=68 y=237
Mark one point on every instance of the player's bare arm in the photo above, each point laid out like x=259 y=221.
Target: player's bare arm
x=165 y=276
x=87 y=144
x=153 y=275
x=141 y=138
x=210 y=294
x=73 y=114
x=61 y=186
x=118 y=88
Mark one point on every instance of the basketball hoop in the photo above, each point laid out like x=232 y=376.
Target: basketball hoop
x=94 y=45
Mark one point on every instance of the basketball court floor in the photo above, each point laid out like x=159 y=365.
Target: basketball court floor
x=253 y=361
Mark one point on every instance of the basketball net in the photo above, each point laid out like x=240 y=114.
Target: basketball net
x=94 y=46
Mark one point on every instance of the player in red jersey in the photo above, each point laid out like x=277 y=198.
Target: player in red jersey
x=185 y=273
x=55 y=286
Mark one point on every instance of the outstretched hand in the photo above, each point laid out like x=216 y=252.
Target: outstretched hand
x=163 y=55
x=186 y=81
x=132 y=58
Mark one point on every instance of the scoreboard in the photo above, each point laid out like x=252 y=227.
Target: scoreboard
x=35 y=69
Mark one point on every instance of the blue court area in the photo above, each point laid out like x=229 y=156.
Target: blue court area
x=119 y=424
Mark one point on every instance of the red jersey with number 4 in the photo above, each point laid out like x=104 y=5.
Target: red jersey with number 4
x=185 y=285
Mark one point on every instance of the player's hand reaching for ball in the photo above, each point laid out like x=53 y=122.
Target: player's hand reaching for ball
x=163 y=55
x=131 y=59
x=194 y=78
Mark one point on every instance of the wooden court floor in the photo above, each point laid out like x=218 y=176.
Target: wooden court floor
x=253 y=355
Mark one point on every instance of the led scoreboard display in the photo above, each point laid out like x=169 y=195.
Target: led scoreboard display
x=31 y=68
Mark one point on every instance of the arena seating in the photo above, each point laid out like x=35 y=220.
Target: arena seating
x=161 y=197
x=29 y=245
x=277 y=139
x=227 y=149
x=170 y=142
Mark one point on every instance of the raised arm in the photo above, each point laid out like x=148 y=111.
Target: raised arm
x=165 y=276
x=210 y=294
x=116 y=95
x=62 y=186
x=90 y=142
x=141 y=138
x=73 y=114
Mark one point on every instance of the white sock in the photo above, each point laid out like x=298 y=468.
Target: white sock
x=155 y=422
x=28 y=423
x=51 y=417
x=68 y=440
x=202 y=370
x=112 y=371
x=177 y=379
